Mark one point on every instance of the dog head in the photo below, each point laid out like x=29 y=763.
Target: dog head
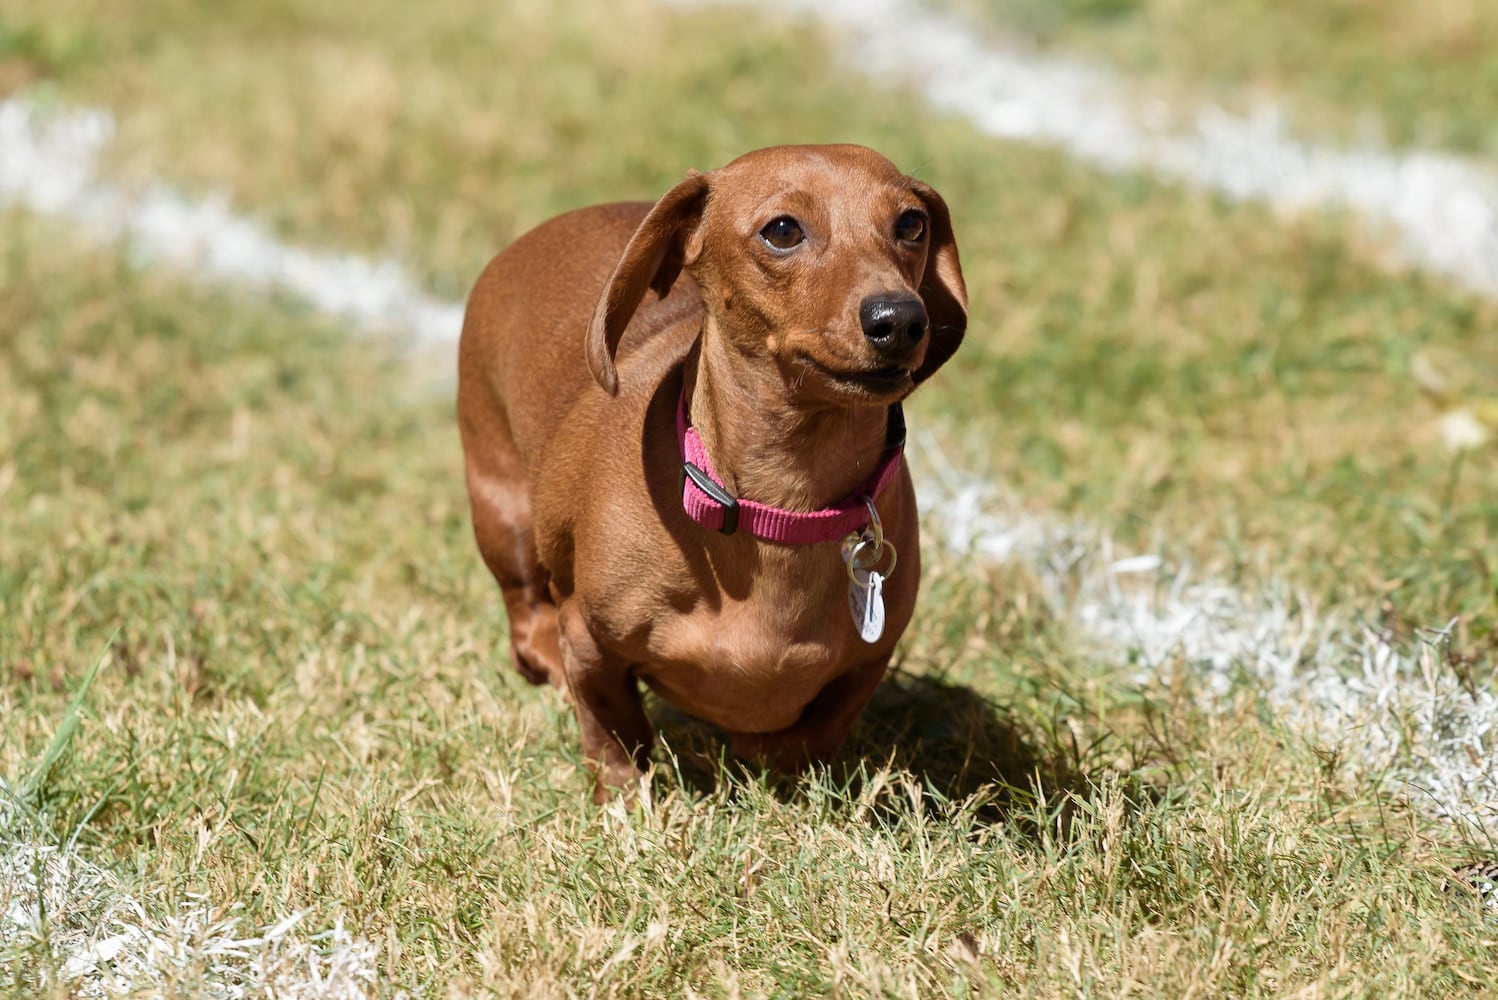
x=826 y=261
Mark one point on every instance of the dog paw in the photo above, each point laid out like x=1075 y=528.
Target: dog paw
x=536 y=669
x=618 y=783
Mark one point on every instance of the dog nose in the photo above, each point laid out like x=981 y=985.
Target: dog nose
x=893 y=322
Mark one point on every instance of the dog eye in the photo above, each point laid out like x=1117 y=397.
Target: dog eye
x=782 y=233
x=910 y=226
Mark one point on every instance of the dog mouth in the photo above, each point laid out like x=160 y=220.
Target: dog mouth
x=885 y=381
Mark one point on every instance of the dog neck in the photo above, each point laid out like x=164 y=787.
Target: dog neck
x=770 y=448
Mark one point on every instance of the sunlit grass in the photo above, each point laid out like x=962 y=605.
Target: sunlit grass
x=307 y=707
x=1139 y=354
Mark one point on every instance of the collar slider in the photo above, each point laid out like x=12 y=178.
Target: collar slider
x=722 y=497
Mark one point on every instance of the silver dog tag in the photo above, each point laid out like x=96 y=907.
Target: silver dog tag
x=866 y=603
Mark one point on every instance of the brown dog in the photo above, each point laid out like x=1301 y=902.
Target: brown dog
x=820 y=286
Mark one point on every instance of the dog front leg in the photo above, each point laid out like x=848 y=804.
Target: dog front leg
x=822 y=728
x=617 y=737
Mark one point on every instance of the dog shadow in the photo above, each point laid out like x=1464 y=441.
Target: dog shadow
x=956 y=744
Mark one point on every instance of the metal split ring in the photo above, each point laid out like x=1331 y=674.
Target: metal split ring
x=865 y=550
x=867 y=553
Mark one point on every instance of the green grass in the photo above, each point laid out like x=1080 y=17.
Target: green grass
x=1393 y=71
x=306 y=708
x=1145 y=356
x=306 y=705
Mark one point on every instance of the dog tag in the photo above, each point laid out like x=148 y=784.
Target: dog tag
x=866 y=602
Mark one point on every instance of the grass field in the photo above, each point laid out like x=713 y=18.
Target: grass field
x=255 y=521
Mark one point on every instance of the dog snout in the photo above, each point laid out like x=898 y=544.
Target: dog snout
x=893 y=322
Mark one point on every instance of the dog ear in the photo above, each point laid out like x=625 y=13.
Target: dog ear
x=652 y=259
x=942 y=287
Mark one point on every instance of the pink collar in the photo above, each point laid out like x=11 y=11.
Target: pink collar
x=706 y=501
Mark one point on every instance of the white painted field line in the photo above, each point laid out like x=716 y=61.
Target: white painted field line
x=112 y=943
x=49 y=163
x=1396 y=712
x=1443 y=209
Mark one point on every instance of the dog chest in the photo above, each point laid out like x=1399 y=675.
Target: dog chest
x=749 y=667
